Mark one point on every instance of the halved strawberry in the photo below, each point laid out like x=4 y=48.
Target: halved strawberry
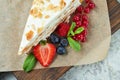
x=45 y=53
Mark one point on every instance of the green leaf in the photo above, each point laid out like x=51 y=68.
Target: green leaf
x=79 y=30
x=71 y=29
x=74 y=44
x=29 y=63
x=42 y=42
x=72 y=33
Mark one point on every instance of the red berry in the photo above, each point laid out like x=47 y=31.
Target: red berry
x=45 y=54
x=86 y=27
x=83 y=40
x=78 y=14
x=62 y=29
x=75 y=29
x=87 y=10
x=84 y=17
x=85 y=23
x=91 y=5
x=78 y=23
x=75 y=38
x=79 y=37
x=76 y=18
x=87 y=1
x=82 y=36
x=85 y=32
x=80 y=9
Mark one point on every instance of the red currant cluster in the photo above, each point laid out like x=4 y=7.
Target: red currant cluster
x=81 y=19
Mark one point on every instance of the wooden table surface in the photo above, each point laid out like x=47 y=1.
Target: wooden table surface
x=55 y=73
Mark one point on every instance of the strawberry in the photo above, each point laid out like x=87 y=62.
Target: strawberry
x=45 y=53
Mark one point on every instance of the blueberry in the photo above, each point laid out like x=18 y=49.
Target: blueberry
x=54 y=38
x=61 y=50
x=64 y=42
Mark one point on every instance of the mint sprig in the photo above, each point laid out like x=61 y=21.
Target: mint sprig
x=73 y=43
x=70 y=32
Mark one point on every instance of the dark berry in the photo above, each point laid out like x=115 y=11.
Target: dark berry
x=87 y=10
x=76 y=18
x=54 y=38
x=61 y=50
x=64 y=42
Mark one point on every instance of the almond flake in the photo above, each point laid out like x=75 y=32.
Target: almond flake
x=29 y=35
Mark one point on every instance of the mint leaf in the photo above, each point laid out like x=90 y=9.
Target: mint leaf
x=72 y=33
x=29 y=63
x=74 y=44
x=71 y=29
x=79 y=30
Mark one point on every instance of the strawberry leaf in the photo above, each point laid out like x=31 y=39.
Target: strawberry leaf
x=74 y=44
x=79 y=30
x=29 y=63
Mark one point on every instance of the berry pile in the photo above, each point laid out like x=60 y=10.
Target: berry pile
x=81 y=19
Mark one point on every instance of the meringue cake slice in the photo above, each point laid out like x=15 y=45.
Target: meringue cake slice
x=43 y=19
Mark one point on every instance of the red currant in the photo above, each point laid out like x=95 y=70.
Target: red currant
x=85 y=23
x=75 y=38
x=78 y=23
x=85 y=32
x=78 y=14
x=84 y=17
x=87 y=1
x=76 y=18
x=80 y=9
x=81 y=19
x=87 y=10
x=80 y=37
x=91 y=5
x=83 y=40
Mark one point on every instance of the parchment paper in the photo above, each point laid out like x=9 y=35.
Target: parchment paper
x=13 y=16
